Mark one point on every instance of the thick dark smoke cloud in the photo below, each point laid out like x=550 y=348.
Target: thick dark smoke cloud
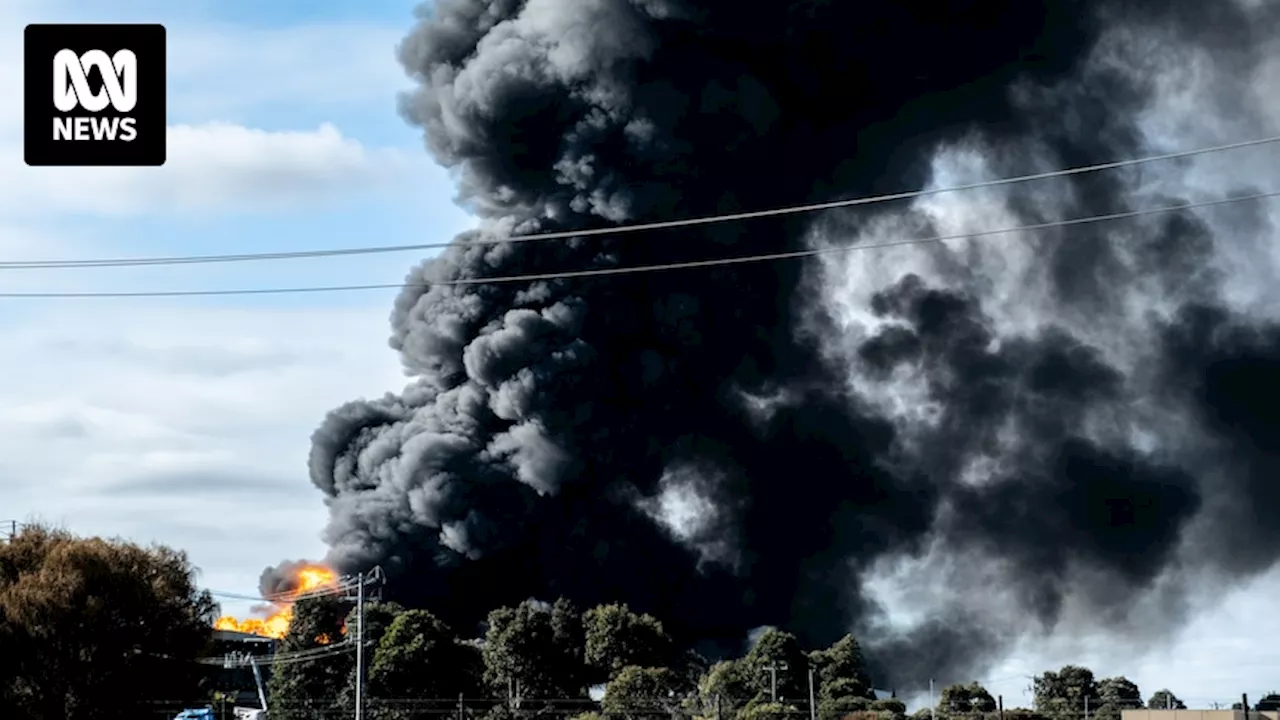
x=756 y=444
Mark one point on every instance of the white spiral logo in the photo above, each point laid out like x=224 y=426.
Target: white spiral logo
x=119 y=80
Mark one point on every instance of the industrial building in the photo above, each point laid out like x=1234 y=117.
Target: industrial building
x=238 y=683
x=1199 y=715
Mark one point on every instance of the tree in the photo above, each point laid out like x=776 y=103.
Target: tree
x=841 y=670
x=1114 y=696
x=1269 y=702
x=889 y=709
x=90 y=627
x=965 y=700
x=535 y=651
x=1022 y=714
x=1062 y=694
x=568 y=638
x=723 y=691
x=617 y=638
x=1165 y=700
x=643 y=692
x=419 y=657
x=843 y=685
x=777 y=655
x=303 y=690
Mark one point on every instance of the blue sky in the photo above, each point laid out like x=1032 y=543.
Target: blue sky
x=187 y=421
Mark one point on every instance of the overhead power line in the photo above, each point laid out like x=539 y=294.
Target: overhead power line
x=342 y=586
x=636 y=269
x=623 y=229
x=337 y=589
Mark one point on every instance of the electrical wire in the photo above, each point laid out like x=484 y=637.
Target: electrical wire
x=635 y=269
x=341 y=588
x=630 y=228
x=315 y=653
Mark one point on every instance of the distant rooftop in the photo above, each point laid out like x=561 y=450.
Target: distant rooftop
x=234 y=636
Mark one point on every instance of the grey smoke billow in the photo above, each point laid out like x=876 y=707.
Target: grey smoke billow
x=1082 y=418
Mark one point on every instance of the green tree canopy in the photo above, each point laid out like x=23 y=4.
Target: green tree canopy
x=90 y=627
x=304 y=690
x=966 y=700
x=777 y=652
x=1165 y=700
x=889 y=708
x=419 y=657
x=616 y=638
x=1023 y=714
x=842 y=671
x=535 y=651
x=1062 y=694
x=723 y=691
x=1115 y=695
x=643 y=692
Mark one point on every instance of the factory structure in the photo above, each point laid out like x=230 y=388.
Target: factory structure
x=238 y=683
x=1199 y=715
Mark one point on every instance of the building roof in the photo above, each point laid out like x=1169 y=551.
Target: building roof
x=234 y=636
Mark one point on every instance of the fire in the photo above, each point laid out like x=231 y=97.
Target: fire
x=276 y=625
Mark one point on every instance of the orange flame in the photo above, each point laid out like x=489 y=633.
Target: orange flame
x=276 y=624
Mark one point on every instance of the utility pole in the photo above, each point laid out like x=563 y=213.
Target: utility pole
x=1000 y=705
x=773 y=680
x=1086 y=707
x=933 y=706
x=813 y=708
x=360 y=647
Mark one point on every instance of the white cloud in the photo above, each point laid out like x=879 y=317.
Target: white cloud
x=212 y=167
x=185 y=425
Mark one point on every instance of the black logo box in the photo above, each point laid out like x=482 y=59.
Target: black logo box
x=41 y=43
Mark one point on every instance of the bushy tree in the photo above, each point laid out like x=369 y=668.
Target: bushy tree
x=535 y=650
x=777 y=652
x=304 y=690
x=90 y=627
x=1023 y=714
x=1063 y=694
x=642 y=692
x=844 y=686
x=1165 y=700
x=965 y=700
x=1115 y=695
x=723 y=691
x=419 y=657
x=617 y=638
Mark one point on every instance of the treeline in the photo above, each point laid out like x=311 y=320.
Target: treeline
x=94 y=629
x=540 y=658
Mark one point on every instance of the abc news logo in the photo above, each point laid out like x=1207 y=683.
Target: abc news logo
x=71 y=90
x=107 y=105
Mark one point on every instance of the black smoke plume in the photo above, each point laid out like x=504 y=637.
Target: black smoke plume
x=1046 y=429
